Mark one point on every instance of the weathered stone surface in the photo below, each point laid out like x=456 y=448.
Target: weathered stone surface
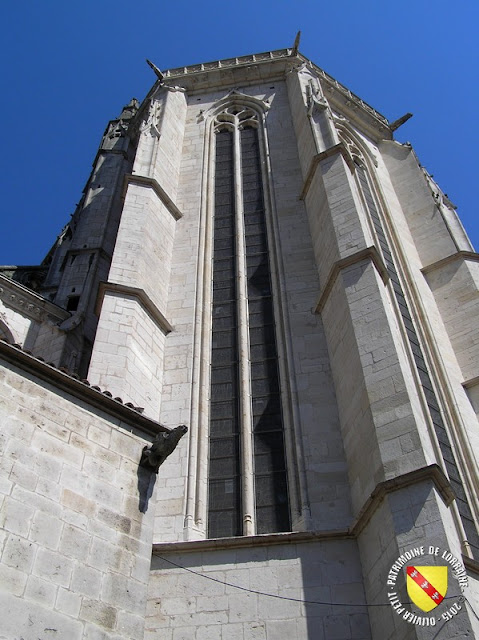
x=375 y=298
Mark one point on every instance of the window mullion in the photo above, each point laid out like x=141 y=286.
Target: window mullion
x=246 y=420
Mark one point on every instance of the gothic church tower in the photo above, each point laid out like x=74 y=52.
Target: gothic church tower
x=256 y=257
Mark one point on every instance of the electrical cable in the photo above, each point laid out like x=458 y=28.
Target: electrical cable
x=274 y=595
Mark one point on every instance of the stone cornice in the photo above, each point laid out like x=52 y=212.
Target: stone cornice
x=143 y=298
x=29 y=303
x=459 y=255
x=145 y=181
x=340 y=94
x=369 y=253
x=80 y=390
x=228 y=63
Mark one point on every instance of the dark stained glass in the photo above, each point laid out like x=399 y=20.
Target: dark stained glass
x=224 y=488
x=271 y=490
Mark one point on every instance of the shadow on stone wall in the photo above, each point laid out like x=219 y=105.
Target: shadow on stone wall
x=146 y=484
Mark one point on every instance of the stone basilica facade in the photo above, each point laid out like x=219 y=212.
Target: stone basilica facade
x=255 y=257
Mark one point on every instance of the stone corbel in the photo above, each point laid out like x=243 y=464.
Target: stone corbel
x=72 y=322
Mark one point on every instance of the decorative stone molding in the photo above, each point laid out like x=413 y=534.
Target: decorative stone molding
x=370 y=253
x=237 y=98
x=432 y=473
x=228 y=63
x=352 y=142
x=28 y=303
x=459 y=255
x=151 y=123
x=281 y=61
x=21 y=303
x=318 y=158
x=241 y=542
x=131 y=178
x=174 y=89
x=473 y=382
x=470 y=564
x=140 y=295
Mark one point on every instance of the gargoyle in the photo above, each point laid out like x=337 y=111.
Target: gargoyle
x=164 y=444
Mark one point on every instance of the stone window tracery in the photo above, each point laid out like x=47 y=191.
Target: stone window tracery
x=248 y=490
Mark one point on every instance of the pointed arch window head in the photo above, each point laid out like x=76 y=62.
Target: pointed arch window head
x=236 y=117
x=248 y=489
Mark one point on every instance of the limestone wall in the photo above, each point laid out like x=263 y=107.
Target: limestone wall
x=318 y=446
x=75 y=549
x=222 y=594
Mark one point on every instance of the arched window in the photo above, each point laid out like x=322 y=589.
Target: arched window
x=365 y=184
x=247 y=486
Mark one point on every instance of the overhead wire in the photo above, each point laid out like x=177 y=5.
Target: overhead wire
x=300 y=600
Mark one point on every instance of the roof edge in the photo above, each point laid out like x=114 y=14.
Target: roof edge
x=268 y=57
x=80 y=390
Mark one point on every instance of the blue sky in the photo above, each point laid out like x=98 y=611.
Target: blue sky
x=68 y=67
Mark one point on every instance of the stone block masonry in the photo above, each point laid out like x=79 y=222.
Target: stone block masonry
x=368 y=350
x=75 y=549
x=267 y=592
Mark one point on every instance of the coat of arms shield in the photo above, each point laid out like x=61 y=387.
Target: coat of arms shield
x=426 y=585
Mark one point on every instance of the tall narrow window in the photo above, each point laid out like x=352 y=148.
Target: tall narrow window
x=420 y=362
x=224 y=465
x=272 y=513
x=245 y=410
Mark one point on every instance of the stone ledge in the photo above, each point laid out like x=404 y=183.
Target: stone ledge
x=470 y=564
x=432 y=472
x=144 y=181
x=369 y=253
x=472 y=382
x=318 y=158
x=145 y=301
x=267 y=539
x=78 y=389
x=460 y=255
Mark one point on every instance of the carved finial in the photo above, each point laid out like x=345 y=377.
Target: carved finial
x=296 y=43
x=397 y=123
x=158 y=73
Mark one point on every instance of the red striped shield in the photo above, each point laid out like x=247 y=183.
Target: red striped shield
x=426 y=586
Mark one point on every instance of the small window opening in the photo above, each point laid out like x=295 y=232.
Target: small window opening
x=72 y=303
